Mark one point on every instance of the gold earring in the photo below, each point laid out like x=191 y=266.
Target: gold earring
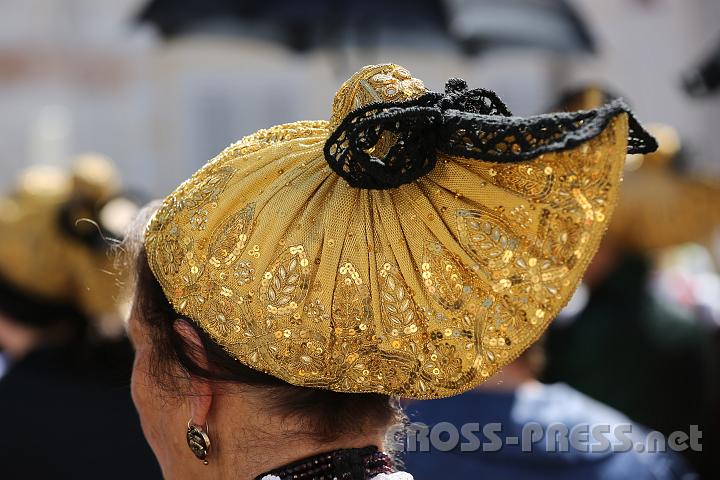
x=198 y=440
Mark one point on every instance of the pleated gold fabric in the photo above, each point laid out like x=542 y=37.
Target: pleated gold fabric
x=420 y=291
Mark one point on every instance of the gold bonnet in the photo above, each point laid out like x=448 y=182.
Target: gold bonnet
x=411 y=246
x=51 y=246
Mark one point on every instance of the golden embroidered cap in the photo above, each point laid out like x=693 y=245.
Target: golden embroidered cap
x=48 y=251
x=411 y=246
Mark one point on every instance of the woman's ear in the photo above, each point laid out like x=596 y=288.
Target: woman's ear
x=201 y=393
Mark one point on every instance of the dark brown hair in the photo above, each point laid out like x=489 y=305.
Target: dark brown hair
x=327 y=415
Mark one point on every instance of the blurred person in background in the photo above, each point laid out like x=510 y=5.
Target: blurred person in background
x=619 y=341
x=65 y=398
x=514 y=399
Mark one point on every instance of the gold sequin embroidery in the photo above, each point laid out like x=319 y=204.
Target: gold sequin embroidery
x=422 y=291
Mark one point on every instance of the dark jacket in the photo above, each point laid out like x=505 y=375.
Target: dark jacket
x=544 y=408
x=67 y=414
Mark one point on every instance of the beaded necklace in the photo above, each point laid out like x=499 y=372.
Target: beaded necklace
x=345 y=464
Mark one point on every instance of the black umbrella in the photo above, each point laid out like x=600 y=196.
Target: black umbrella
x=473 y=25
x=301 y=25
x=547 y=24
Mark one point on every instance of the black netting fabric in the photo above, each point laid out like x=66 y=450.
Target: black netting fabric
x=385 y=145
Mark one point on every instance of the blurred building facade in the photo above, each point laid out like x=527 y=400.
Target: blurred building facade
x=79 y=75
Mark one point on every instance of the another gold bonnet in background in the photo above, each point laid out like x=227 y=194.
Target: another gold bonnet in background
x=659 y=206
x=44 y=225
x=422 y=290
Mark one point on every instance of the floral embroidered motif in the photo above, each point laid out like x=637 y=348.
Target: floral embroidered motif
x=285 y=284
x=399 y=316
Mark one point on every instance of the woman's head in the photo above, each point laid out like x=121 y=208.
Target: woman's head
x=408 y=247
x=181 y=375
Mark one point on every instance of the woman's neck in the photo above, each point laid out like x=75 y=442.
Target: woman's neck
x=254 y=440
x=268 y=456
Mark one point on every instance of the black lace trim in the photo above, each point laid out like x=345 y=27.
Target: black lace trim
x=345 y=464
x=467 y=123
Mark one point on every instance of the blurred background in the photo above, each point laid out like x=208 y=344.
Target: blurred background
x=162 y=86
x=159 y=87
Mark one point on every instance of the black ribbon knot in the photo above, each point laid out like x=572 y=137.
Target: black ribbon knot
x=387 y=144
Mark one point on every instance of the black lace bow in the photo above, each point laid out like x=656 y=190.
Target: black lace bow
x=460 y=122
